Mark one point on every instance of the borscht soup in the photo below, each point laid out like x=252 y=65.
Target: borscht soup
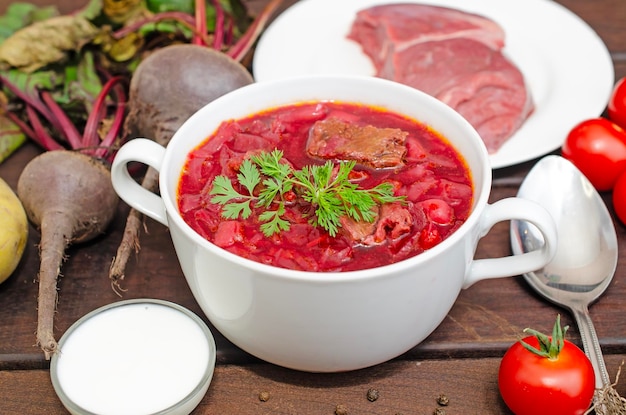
x=325 y=186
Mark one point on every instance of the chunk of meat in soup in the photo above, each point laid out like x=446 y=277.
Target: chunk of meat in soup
x=368 y=145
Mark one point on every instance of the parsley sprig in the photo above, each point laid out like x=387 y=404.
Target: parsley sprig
x=329 y=191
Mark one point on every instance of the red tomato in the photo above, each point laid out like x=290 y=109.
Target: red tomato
x=598 y=148
x=617 y=103
x=429 y=236
x=531 y=384
x=619 y=197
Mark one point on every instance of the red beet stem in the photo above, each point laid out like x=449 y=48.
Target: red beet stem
x=218 y=38
x=66 y=126
x=183 y=18
x=200 y=23
x=39 y=132
x=239 y=49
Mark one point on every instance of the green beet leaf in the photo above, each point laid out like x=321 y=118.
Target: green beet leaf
x=46 y=42
x=19 y=15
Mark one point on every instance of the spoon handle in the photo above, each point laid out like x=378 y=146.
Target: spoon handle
x=591 y=345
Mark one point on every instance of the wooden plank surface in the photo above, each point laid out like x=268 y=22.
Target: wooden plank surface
x=404 y=387
x=460 y=359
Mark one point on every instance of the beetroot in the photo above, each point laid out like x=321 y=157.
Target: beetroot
x=157 y=108
x=70 y=198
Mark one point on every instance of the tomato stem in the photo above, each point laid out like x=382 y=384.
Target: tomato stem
x=549 y=346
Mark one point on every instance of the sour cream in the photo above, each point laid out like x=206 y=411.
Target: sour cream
x=134 y=357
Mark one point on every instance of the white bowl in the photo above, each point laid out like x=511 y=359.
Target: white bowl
x=326 y=322
x=134 y=357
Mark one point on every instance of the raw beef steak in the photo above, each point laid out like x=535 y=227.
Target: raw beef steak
x=452 y=55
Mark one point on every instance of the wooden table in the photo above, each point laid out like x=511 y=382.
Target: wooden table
x=460 y=359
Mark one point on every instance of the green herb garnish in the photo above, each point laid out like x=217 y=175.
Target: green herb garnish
x=330 y=193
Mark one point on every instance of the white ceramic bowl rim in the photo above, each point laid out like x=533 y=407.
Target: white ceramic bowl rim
x=480 y=200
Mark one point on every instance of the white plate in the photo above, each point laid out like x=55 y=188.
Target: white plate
x=565 y=63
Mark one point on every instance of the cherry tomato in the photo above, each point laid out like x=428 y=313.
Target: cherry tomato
x=597 y=146
x=619 y=197
x=438 y=211
x=429 y=236
x=531 y=384
x=617 y=103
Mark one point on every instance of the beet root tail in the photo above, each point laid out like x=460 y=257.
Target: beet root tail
x=130 y=243
x=55 y=228
x=130 y=239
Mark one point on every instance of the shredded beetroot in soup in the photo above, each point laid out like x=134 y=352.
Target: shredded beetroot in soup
x=428 y=180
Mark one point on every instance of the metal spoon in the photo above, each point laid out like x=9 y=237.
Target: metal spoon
x=586 y=255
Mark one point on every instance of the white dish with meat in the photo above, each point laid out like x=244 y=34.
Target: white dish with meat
x=565 y=64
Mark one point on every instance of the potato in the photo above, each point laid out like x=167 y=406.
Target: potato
x=13 y=230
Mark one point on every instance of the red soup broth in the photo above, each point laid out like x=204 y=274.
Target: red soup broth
x=433 y=177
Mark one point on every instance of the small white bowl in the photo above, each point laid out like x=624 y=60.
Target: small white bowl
x=135 y=357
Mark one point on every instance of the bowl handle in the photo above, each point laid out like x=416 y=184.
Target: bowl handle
x=514 y=208
x=144 y=151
